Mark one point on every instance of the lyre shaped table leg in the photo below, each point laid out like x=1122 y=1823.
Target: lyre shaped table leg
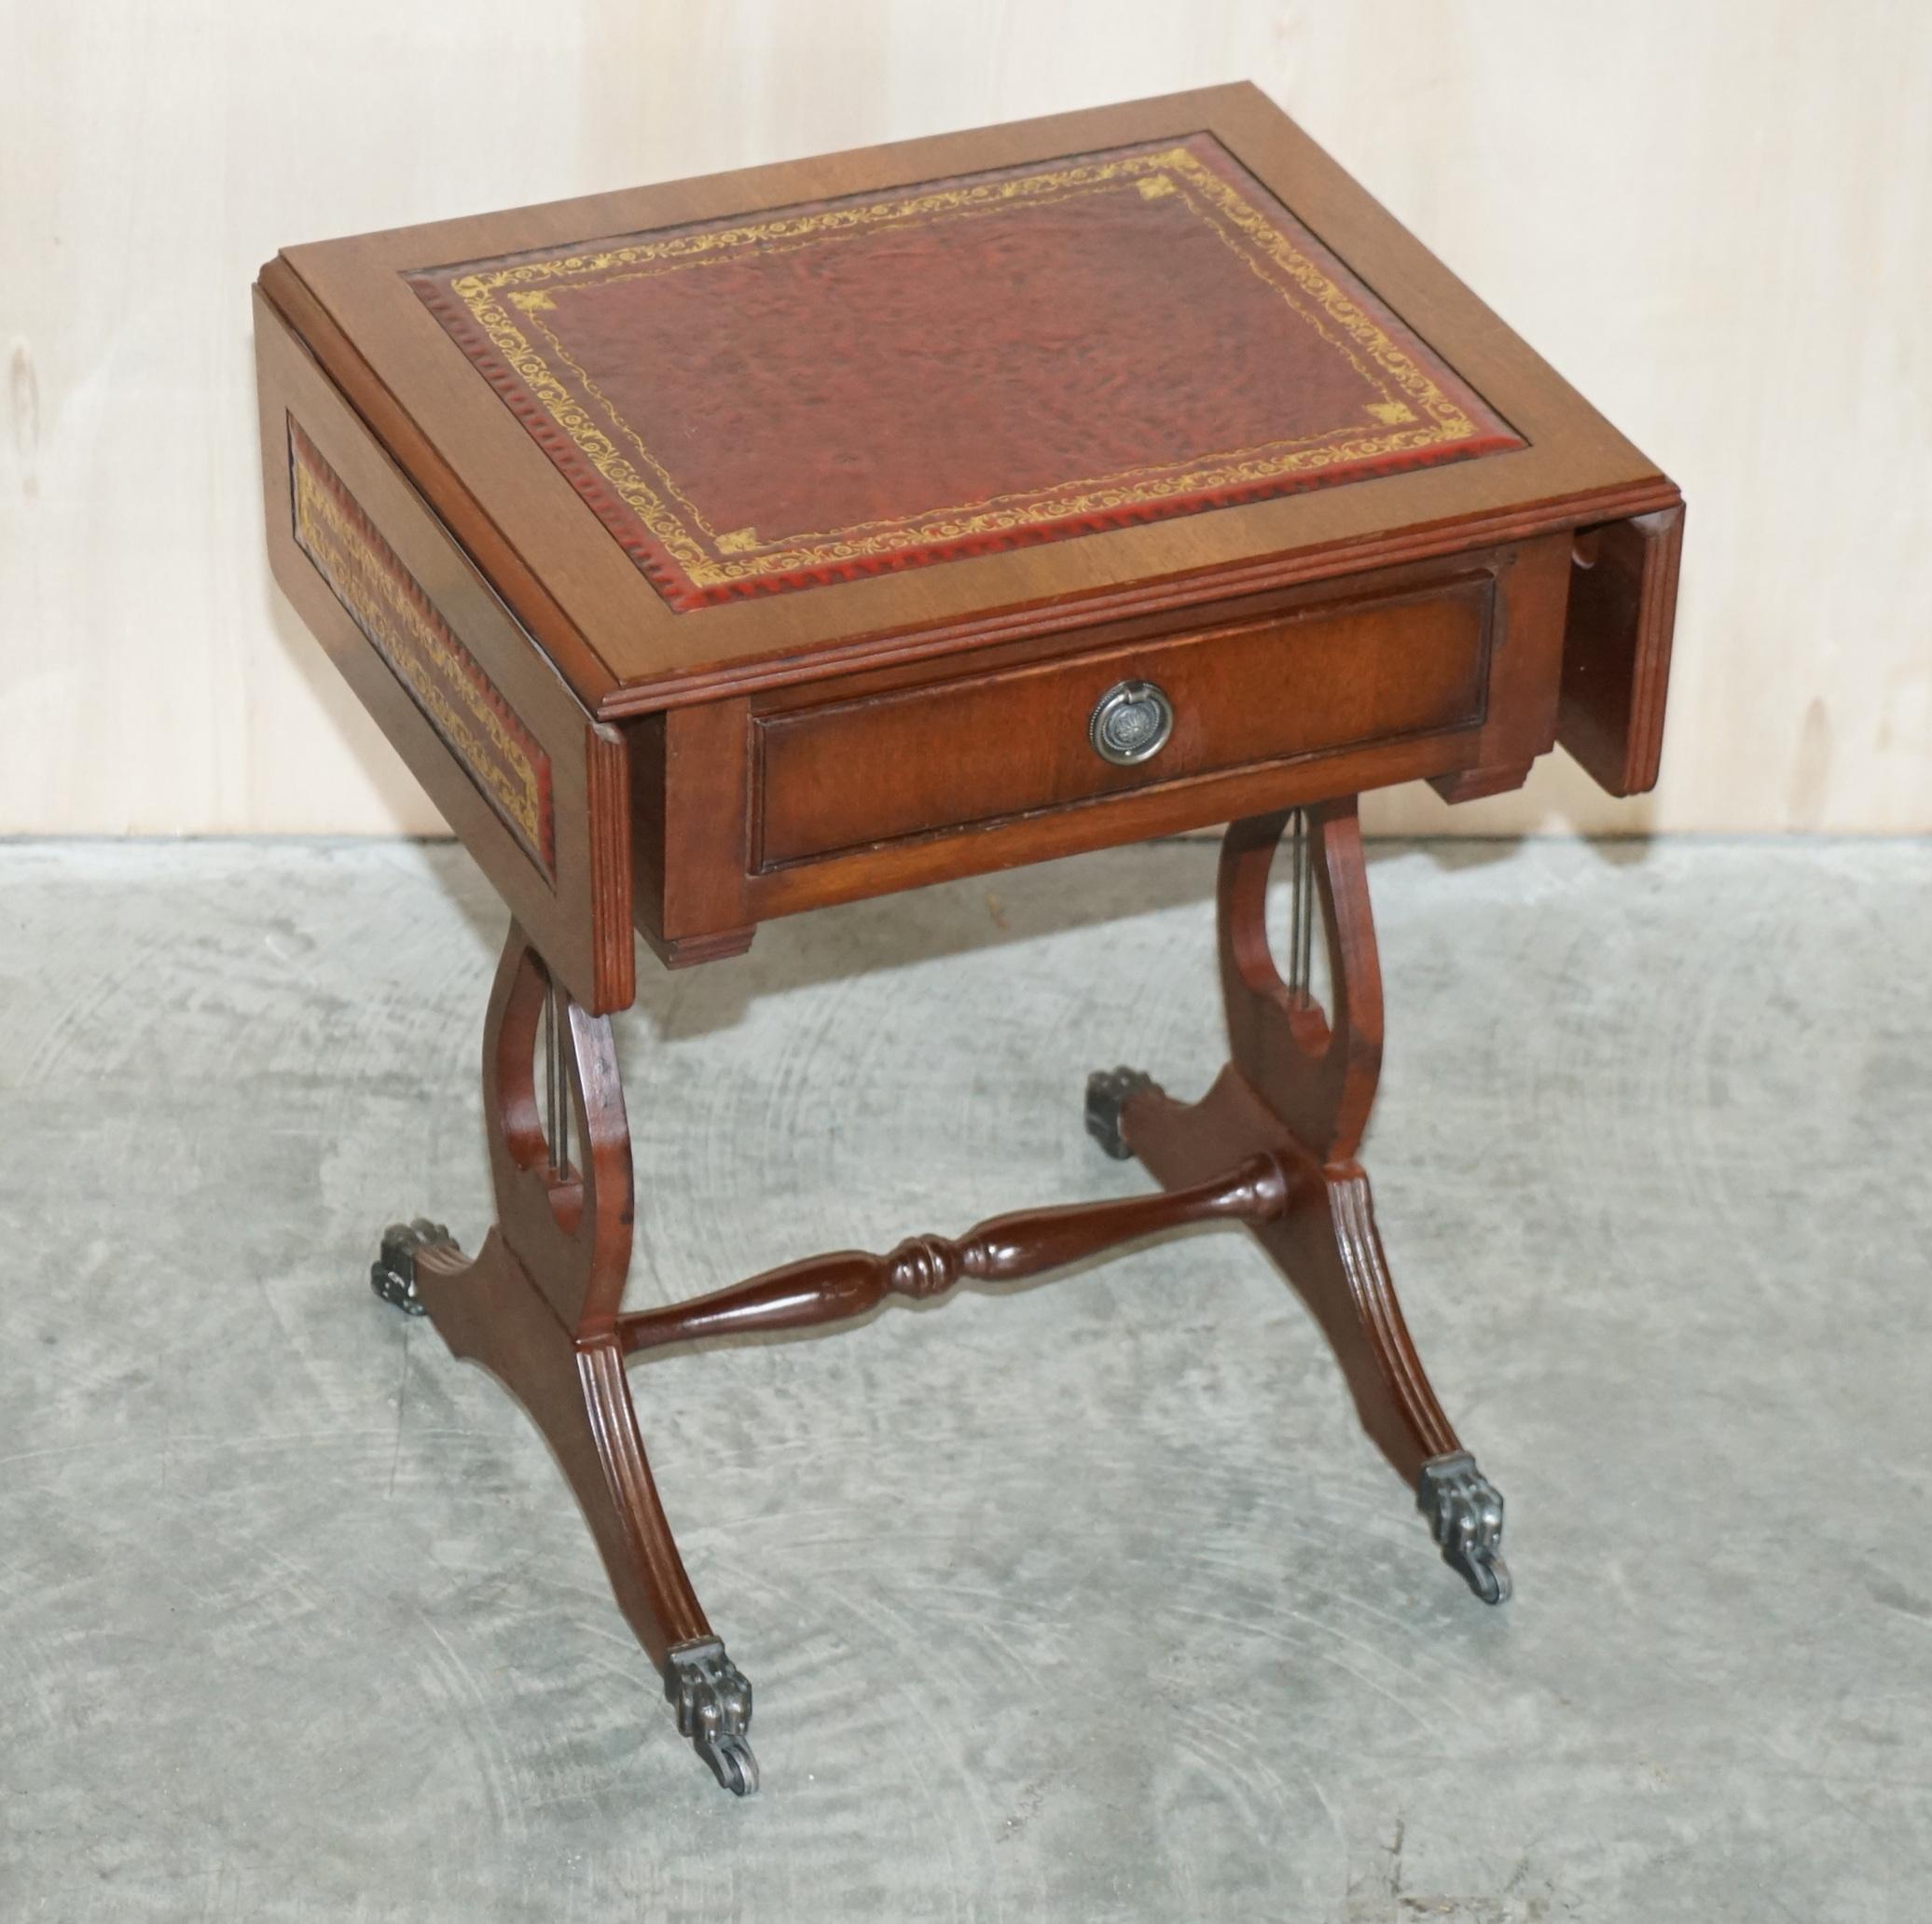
x=538 y=1308
x=1300 y=1086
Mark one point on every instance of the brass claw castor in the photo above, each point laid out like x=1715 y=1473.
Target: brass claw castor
x=714 y=1700
x=392 y=1274
x=1108 y=1092
x=1465 y=1510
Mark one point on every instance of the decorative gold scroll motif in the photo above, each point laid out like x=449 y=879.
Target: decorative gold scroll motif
x=446 y=681
x=507 y=305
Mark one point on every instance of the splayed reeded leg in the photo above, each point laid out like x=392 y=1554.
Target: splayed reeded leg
x=538 y=1308
x=1299 y=1087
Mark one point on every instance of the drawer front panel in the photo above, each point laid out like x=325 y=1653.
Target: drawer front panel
x=980 y=749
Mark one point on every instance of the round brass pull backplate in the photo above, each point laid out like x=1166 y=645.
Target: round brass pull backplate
x=1130 y=722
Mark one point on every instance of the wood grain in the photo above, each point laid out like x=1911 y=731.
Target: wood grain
x=488 y=469
x=785 y=801
x=1617 y=648
x=977 y=748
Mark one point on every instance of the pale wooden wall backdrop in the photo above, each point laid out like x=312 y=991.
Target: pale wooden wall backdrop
x=1716 y=218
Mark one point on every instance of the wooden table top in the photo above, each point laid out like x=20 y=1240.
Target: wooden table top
x=766 y=426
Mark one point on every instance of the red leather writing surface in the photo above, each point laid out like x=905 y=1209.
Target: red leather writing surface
x=820 y=392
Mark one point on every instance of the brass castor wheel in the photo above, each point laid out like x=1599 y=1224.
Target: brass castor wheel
x=392 y=1274
x=732 y=1762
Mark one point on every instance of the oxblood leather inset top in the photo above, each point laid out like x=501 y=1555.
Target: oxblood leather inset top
x=847 y=387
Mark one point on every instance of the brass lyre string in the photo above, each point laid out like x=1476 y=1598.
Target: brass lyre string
x=1301 y=936
x=556 y=1079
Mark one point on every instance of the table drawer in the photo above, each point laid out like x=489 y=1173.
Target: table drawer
x=982 y=748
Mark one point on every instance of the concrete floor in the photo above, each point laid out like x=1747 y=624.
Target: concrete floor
x=1087 y=1601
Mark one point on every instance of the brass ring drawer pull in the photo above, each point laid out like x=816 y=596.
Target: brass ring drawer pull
x=1130 y=722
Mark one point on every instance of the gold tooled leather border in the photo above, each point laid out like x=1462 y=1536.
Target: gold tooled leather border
x=399 y=621
x=1414 y=415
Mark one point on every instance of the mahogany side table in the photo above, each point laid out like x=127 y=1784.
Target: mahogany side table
x=716 y=550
